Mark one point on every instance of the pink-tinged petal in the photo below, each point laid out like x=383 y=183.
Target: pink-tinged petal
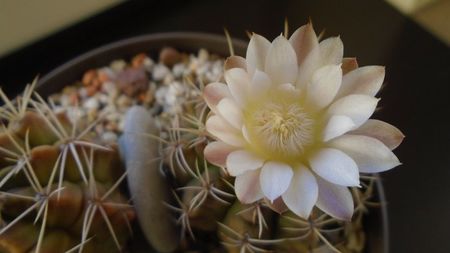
x=213 y=93
x=349 y=64
x=238 y=83
x=370 y=154
x=335 y=200
x=240 y=161
x=281 y=62
x=235 y=61
x=382 y=131
x=335 y=166
x=216 y=152
x=331 y=51
x=301 y=196
x=218 y=127
x=275 y=179
x=260 y=84
x=337 y=125
x=358 y=107
x=256 y=53
x=366 y=80
x=304 y=41
x=306 y=45
x=247 y=187
x=231 y=112
x=307 y=69
x=324 y=86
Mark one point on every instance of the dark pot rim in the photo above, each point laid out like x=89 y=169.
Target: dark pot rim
x=73 y=70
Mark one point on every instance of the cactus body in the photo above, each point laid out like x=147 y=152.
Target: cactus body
x=59 y=187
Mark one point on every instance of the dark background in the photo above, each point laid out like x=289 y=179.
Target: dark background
x=416 y=96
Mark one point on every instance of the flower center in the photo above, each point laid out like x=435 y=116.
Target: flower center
x=285 y=128
x=281 y=129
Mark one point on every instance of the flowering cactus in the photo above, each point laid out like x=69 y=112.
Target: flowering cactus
x=277 y=156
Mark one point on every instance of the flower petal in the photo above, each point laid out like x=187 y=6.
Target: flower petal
x=275 y=179
x=382 y=131
x=231 y=112
x=370 y=154
x=331 y=51
x=304 y=41
x=246 y=134
x=335 y=166
x=213 y=93
x=337 y=125
x=241 y=161
x=324 y=86
x=238 y=83
x=287 y=87
x=358 y=107
x=260 y=84
x=281 y=62
x=256 y=53
x=235 y=61
x=335 y=200
x=306 y=45
x=247 y=187
x=349 y=64
x=216 y=152
x=218 y=127
x=366 y=80
x=301 y=196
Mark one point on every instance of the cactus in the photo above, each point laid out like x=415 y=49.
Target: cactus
x=211 y=215
x=59 y=187
x=207 y=214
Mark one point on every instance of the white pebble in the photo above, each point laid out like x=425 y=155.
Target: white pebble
x=108 y=72
x=91 y=103
x=160 y=71
x=148 y=64
x=83 y=92
x=103 y=98
x=118 y=65
x=178 y=69
x=109 y=137
x=203 y=55
x=124 y=101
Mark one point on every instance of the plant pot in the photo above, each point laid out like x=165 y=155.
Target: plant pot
x=376 y=223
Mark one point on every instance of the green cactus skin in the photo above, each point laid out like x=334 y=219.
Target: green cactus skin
x=59 y=188
x=142 y=170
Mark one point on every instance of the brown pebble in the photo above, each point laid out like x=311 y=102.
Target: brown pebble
x=169 y=56
x=141 y=97
x=89 y=76
x=132 y=81
x=148 y=97
x=96 y=83
x=138 y=60
x=91 y=90
x=103 y=77
x=112 y=126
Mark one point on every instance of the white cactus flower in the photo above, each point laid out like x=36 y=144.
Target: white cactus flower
x=292 y=122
